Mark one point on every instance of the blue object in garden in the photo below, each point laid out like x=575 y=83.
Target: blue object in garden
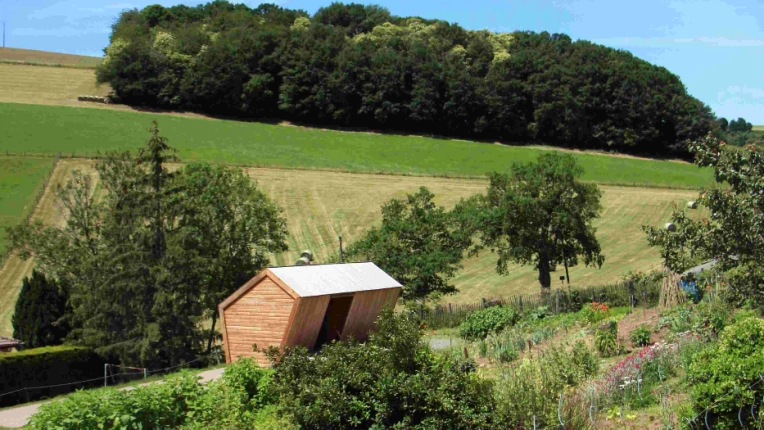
x=691 y=288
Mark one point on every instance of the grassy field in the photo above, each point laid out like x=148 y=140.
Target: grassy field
x=49 y=58
x=320 y=206
x=20 y=181
x=51 y=129
x=47 y=85
x=758 y=127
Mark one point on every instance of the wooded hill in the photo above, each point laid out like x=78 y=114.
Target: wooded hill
x=360 y=66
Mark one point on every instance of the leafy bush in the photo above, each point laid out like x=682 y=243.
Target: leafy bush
x=235 y=401
x=724 y=377
x=606 y=339
x=391 y=381
x=480 y=324
x=640 y=336
x=50 y=365
x=537 y=314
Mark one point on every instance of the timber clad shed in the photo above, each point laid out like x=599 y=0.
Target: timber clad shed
x=304 y=305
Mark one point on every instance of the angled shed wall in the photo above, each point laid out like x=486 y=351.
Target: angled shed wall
x=364 y=311
x=260 y=316
x=307 y=321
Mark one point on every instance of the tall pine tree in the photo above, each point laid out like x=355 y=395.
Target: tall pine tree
x=39 y=318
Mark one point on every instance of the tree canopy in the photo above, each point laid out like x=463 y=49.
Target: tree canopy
x=419 y=244
x=40 y=317
x=359 y=65
x=540 y=214
x=733 y=229
x=148 y=259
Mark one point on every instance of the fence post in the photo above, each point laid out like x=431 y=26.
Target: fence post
x=557 y=302
x=521 y=304
x=644 y=312
x=483 y=302
x=105 y=373
x=450 y=311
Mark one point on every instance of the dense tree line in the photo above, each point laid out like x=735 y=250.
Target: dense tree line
x=361 y=66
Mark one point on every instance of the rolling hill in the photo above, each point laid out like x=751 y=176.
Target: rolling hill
x=320 y=206
x=327 y=181
x=47 y=58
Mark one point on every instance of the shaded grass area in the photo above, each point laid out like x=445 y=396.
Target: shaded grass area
x=84 y=132
x=21 y=179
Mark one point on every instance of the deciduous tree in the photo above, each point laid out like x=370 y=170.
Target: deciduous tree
x=541 y=214
x=419 y=244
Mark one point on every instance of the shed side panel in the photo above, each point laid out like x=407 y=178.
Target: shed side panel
x=365 y=309
x=307 y=321
x=259 y=317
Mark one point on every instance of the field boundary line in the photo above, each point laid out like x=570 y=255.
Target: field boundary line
x=42 y=64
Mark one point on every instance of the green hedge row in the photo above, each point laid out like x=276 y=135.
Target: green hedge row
x=44 y=367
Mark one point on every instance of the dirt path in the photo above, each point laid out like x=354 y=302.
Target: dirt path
x=19 y=417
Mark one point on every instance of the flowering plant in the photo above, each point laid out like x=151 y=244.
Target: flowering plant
x=595 y=312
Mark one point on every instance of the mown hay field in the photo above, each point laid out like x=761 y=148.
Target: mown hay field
x=47 y=85
x=321 y=206
x=758 y=127
x=50 y=58
x=52 y=129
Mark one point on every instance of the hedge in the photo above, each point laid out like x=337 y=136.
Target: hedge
x=21 y=372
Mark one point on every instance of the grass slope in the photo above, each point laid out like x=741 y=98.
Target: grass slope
x=320 y=206
x=50 y=129
x=758 y=127
x=48 y=58
x=20 y=181
x=47 y=85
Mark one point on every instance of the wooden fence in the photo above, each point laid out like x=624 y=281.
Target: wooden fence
x=557 y=301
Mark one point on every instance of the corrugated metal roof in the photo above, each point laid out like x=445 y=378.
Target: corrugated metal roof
x=320 y=280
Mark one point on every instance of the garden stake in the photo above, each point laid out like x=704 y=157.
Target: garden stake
x=591 y=409
x=707 y=426
x=559 y=412
x=534 y=422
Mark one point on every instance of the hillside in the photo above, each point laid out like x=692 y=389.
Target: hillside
x=47 y=58
x=320 y=206
x=362 y=66
x=50 y=129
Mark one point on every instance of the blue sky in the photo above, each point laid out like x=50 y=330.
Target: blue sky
x=716 y=47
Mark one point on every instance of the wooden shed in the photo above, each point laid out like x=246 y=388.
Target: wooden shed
x=304 y=305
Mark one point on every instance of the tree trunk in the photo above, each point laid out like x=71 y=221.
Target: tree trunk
x=212 y=332
x=543 y=265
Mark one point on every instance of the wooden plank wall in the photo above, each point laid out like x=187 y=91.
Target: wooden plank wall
x=258 y=317
x=365 y=310
x=307 y=321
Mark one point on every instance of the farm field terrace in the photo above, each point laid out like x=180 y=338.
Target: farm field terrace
x=21 y=179
x=320 y=206
x=82 y=131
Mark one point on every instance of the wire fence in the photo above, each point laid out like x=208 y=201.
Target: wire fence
x=557 y=302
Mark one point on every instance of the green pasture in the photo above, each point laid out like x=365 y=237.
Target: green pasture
x=21 y=179
x=83 y=131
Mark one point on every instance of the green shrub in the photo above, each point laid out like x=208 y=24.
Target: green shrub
x=640 y=336
x=38 y=319
x=50 y=365
x=606 y=339
x=233 y=402
x=391 y=381
x=724 y=377
x=480 y=324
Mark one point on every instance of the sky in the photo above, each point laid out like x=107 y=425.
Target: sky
x=716 y=47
